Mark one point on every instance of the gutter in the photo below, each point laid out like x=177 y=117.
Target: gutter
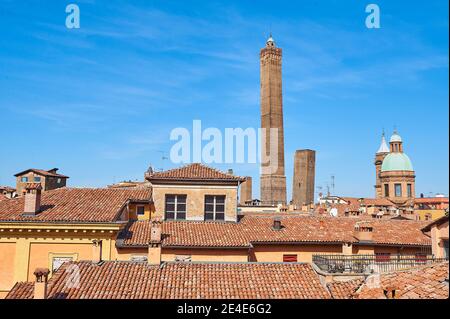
x=120 y=244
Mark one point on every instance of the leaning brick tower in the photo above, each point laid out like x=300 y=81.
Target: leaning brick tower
x=273 y=179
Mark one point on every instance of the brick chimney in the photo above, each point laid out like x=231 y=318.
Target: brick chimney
x=96 y=251
x=40 y=283
x=32 y=199
x=154 y=246
x=363 y=231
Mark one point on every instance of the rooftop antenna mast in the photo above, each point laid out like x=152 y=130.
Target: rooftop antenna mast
x=163 y=158
x=332 y=184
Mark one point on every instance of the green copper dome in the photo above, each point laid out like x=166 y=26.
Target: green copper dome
x=396 y=162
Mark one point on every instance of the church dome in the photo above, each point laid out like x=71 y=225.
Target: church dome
x=396 y=162
x=395 y=138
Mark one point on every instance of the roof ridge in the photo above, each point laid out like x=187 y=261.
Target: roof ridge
x=194 y=171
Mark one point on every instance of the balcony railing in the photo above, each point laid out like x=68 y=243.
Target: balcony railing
x=366 y=264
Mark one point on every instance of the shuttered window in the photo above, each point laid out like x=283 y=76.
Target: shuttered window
x=382 y=257
x=290 y=258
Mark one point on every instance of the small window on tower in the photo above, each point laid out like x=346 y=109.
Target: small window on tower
x=398 y=190
x=409 y=190
x=386 y=190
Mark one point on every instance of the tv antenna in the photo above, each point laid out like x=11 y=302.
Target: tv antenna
x=163 y=158
x=332 y=184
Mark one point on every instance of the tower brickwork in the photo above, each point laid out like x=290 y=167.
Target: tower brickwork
x=245 y=195
x=273 y=179
x=303 y=180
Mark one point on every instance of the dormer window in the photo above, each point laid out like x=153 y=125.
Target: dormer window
x=140 y=210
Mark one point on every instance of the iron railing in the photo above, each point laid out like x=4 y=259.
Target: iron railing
x=365 y=264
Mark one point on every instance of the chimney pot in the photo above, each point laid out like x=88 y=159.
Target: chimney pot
x=40 y=284
x=277 y=223
x=96 y=251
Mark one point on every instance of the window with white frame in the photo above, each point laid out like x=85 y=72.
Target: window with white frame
x=58 y=261
x=175 y=207
x=215 y=207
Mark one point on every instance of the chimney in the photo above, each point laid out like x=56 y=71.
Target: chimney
x=40 y=283
x=321 y=223
x=277 y=223
x=32 y=198
x=230 y=171
x=364 y=231
x=154 y=246
x=389 y=292
x=96 y=251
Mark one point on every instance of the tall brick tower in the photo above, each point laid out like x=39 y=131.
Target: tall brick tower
x=303 y=181
x=273 y=180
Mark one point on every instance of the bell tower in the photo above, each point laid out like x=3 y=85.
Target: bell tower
x=383 y=150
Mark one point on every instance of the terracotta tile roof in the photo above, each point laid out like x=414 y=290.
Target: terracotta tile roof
x=368 y=201
x=431 y=200
x=254 y=229
x=41 y=172
x=74 y=205
x=186 y=234
x=377 y=202
x=342 y=208
x=427 y=282
x=406 y=232
x=344 y=289
x=438 y=222
x=7 y=188
x=138 y=280
x=298 y=229
x=194 y=172
x=22 y=290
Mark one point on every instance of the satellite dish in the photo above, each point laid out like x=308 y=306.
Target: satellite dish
x=334 y=212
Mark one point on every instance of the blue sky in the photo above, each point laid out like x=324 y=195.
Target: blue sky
x=99 y=102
